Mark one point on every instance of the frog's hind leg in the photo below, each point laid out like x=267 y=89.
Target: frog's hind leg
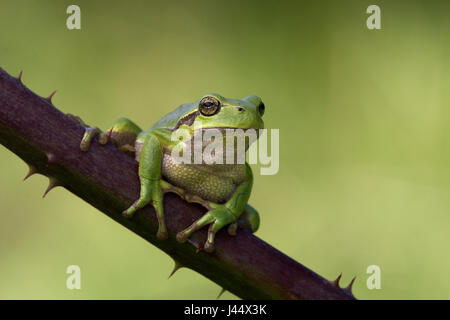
x=249 y=220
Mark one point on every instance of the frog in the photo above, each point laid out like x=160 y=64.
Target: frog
x=222 y=188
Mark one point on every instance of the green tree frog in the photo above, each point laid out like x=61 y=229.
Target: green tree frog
x=222 y=188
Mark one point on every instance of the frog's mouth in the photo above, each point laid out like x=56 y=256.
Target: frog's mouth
x=230 y=130
x=231 y=136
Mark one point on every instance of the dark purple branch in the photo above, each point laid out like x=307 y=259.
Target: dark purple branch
x=48 y=140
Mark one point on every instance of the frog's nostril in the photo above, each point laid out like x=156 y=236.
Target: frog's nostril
x=241 y=109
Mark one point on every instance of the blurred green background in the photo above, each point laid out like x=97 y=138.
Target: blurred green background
x=363 y=115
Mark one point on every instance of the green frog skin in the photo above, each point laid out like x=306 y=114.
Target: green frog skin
x=223 y=189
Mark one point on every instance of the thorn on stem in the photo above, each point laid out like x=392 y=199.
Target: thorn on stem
x=177 y=267
x=221 y=293
x=32 y=170
x=335 y=283
x=19 y=77
x=51 y=158
x=49 y=98
x=53 y=183
x=349 y=287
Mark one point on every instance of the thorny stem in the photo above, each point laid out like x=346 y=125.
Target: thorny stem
x=48 y=140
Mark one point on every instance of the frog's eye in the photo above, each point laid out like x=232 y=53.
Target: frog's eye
x=261 y=109
x=209 y=106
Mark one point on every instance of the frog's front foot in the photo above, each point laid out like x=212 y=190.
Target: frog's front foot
x=217 y=218
x=150 y=193
x=90 y=134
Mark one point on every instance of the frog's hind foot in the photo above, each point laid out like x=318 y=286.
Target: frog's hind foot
x=183 y=236
x=217 y=218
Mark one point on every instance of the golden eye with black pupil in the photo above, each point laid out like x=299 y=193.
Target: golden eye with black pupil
x=209 y=106
x=261 y=109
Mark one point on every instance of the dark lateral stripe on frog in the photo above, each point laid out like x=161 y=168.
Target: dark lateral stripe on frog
x=187 y=119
